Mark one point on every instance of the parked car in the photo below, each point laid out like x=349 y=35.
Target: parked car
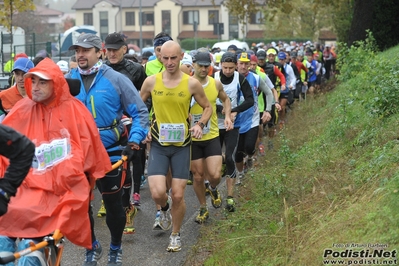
x=224 y=45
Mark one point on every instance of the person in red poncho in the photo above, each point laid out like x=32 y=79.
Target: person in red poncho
x=69 y=157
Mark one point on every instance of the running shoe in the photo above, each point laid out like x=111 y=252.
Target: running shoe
x=174 y=242
x=129 y=226
x=250 y=163
x=157 y=223
x=203 y=215
x=166 y=217
x=239 y=177
x=230 y=205
x=216 y=200
x=245 y=165
x=262 y=150
x=92 y=256
x=102 y=211
x=136 y=199
x=143 y=181
x=115 y=257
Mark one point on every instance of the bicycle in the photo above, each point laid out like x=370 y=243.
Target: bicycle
x=52 y=245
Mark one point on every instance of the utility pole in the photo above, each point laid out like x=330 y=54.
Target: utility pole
x=11 y=34
x=195 y=24
x=141 y=29
x=121 y=20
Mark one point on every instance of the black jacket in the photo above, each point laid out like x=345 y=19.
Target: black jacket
x=134 y=71
x=20 y=151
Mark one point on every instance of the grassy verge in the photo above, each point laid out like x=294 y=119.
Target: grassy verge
x=332 y=179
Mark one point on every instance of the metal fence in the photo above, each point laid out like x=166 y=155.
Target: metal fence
x=30 y=44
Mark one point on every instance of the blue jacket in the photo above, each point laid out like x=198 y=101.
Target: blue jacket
x=110 y=94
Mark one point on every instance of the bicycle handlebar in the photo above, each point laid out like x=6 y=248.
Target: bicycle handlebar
x=119 y=162
x=55 y=238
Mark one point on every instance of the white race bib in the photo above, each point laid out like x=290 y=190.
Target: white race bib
x=48 y=154
x=196 y=118
x=170 y=132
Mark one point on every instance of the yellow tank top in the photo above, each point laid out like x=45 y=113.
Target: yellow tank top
x=169 y=125
x=211 y=130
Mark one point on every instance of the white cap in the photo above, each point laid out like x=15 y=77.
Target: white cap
x=63 y=65
x=40 y=74
x=187 y=60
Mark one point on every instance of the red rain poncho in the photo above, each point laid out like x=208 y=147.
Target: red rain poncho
x=56 y=193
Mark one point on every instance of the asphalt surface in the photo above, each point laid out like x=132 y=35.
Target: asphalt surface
x=146 y=247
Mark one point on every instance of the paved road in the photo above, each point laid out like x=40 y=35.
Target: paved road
x=146 y=247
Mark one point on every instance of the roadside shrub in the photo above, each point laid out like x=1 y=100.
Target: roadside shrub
x=379 y=76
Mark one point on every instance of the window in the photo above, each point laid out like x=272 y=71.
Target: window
x=7 y=38
x=166 y=21
x=129 y=19
x=88 y=18
x=147 y=18
x=190 y=16
x=233 y=27
x=257 y=18
x=104 y=24
x=213 y=17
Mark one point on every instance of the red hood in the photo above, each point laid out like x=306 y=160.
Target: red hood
x=50 y=68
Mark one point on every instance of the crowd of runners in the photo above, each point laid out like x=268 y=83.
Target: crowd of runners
x=180 y=118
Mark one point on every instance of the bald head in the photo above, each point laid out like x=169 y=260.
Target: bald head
x=171 y=45
x=171 y=55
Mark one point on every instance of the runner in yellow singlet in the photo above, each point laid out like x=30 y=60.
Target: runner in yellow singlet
x=170 y=136
x=206 y=153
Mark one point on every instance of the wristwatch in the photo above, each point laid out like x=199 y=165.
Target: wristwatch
x=202 y=125
x=277 y=102
x=5 y=194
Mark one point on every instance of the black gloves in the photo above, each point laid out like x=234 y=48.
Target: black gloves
x=130 y=150
x=4 y=200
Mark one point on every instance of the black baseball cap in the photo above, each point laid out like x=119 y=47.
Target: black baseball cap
x=229 y=57
x=202 y=58
x=232 y=47
x=87 y=40
x=261 y=54
x=114 y=41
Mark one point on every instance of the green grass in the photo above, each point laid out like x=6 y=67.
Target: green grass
x=332 y=178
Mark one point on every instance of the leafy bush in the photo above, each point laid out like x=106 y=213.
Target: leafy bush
x=380 y=76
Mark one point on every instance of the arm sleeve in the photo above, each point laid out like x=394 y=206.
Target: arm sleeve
x=248 y=96
x=268 y=93
x=279 y=74
x=20 y=151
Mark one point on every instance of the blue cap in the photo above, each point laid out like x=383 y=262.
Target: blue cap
x=281 y=55
x=23 y=64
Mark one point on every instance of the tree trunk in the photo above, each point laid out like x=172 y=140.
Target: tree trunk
x=362 y=20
